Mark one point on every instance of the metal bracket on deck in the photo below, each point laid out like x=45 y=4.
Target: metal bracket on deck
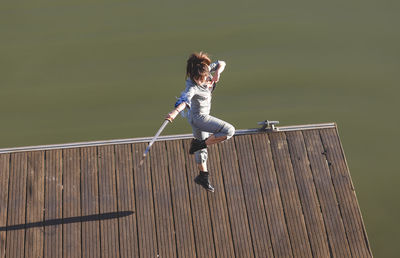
x=268 y=125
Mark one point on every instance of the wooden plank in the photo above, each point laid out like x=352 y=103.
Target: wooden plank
x=222 y=228
x=144 y=204
x=16 y=205
x=109 y=235
x=162 y=201
x=72 y=202
x=126 y=201
x=327 y=196
x=34 y=238
x=90 y=202
x=271 y=194
x=290 y=196
x=241 y=237
x=345 y=193
x=254 y=201
x=180 y=200
x=4 y=180
x=308 y=195
x=53 y=203
x=202 y=224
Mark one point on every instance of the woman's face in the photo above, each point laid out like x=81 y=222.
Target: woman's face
x=202 y=80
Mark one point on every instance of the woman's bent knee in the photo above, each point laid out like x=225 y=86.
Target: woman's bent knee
x=230 y=131
x=227 y=130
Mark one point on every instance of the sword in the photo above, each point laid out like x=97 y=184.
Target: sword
x=153 y=140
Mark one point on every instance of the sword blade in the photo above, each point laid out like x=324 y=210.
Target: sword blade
x=156 y=136
x=154 y=139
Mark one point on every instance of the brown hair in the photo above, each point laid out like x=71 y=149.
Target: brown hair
x=197 y=66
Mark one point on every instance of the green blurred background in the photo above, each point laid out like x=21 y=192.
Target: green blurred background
x=91 y=70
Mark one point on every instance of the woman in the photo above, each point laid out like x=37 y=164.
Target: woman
x=201 y=79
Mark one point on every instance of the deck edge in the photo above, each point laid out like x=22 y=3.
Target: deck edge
x=161 y=138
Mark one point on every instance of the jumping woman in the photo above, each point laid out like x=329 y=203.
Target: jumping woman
x=201 y=79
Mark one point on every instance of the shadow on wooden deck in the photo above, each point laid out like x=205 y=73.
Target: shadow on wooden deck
x=63 y=221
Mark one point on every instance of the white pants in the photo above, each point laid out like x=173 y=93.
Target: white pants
x=202 y=126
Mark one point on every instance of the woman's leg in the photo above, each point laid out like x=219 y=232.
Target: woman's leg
x=203 y=166
x=201 y=160
x=213 y=140
x=201 y=128
x=201 y=156
x=226 y=132
x=221 y=131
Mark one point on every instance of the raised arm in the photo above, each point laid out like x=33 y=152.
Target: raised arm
x=220 y=69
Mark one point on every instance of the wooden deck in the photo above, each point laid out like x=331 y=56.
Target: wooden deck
x=277 y=194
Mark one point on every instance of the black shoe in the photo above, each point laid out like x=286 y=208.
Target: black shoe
x=197 y=145
x=202 y=179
